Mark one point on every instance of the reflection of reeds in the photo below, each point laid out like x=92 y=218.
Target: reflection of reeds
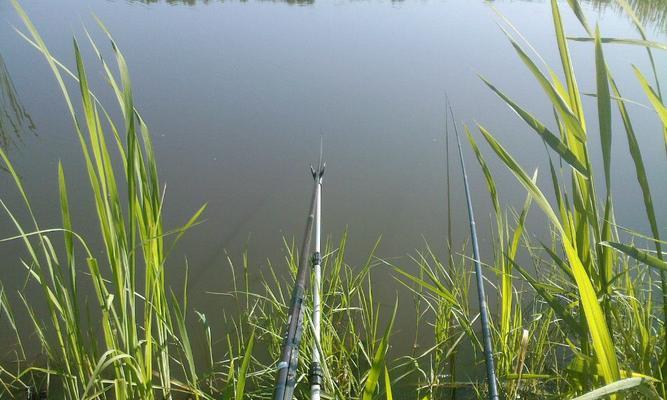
x=651 y=13
x=195 y=2
x=14 y=119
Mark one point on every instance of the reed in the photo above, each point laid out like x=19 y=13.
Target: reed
x=581 y=316
x=582 y=226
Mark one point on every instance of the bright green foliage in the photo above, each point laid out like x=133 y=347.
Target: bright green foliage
x=576 y=316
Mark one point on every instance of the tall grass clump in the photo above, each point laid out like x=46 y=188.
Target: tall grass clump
x=136 y=341
x=581 y=315
x=596 y=322
x=142 y=339
x=596 y=292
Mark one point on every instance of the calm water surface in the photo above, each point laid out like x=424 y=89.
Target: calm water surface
x=238 y=94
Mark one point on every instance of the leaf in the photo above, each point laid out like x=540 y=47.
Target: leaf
x=387 y=384
x=640 y=170
x=604 y=107
x=595 y=319
x=549 y=137
x=576 y=8
x=563 y=106
x=655 y=100
x=618 y=386
x=568 y=69
x=560 y=310
x=639 y=255
x=243 y=371
x=442 y=292
x=635 y=42
x=378 y=360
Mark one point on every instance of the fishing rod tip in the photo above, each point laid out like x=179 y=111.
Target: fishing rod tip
x=317 y=174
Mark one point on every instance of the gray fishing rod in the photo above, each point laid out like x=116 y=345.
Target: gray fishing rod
x=289 y=356
x=483 y=308
x=316 y=375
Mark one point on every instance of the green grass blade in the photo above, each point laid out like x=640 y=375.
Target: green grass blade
x=642 y=32
x=639 y=255
x=560 y=103
x=653 y=97
x=597 y=325
x=640 y=169
x=549 y=137
x=605 y=257
x=579 y=12
x=440 y=291
x=655 y=100
x=378 y=360
x=387 y=385
x=568 y=69
x=634 y=42
x=518 y=231
x=243 y=371
x=619 y=386
x=560 y=310
x=604 y=107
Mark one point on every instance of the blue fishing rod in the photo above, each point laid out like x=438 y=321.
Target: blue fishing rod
x=483 y=307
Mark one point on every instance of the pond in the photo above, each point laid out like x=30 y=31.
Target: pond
x=238 y=96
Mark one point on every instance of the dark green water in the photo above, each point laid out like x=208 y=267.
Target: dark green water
x=238 y=95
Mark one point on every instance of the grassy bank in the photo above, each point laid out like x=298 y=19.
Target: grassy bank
x=583 y=313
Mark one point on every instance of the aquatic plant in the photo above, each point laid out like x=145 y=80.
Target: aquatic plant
x=576 y=317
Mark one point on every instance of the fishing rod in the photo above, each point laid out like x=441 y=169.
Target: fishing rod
x=483 y=309
x=289 y=355
x=316 y=375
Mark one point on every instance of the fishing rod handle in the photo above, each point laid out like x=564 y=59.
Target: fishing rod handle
x=287 y=367
x=316 y=379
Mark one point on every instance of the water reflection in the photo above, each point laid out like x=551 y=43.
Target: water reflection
x=195 y=2
x=14 y=119
x=652 y=13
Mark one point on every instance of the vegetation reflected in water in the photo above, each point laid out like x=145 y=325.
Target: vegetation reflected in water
x=652 y=13
x=14 y=119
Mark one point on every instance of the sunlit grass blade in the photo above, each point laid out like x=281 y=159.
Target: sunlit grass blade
x=560 y=103
x=604 y=124
x=642 y=32
x=378 y=360
x=438 y=289
x=579 y=12
x=620 y=386
x=640 y=169
x=604 y=108
x=597 y=325
x=655 y=100
x=568 y=69
x=243 y=370
x=550 y=138
x=387 y=385
x=639 y=255
x=653 y=97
